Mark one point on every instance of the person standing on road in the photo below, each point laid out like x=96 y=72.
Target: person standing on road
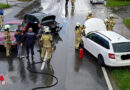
x=1 y=17
x=19 y=38
x=47 y=45
x=89 y=15
x=107 y=23
x=40 y=32
x=30 y=39
x=111 y=20
x=7 y=39
x=66 y=3
x=72 y=3
x=78 y=35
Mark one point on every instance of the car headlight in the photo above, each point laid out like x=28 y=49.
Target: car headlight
x=1 y=42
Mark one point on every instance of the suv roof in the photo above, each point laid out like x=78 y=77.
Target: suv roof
x=113 y=36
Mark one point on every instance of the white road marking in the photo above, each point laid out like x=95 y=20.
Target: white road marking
x=44 y=61
x=107 y=78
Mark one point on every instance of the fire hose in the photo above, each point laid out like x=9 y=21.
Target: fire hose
x=38 y=72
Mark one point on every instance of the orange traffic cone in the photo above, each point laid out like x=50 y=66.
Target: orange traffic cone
x=80 y=53
x=2 y=80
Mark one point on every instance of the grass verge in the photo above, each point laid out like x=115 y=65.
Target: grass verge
x=122 y=78
x=4 y=6
x=117 y=3
x=127 y=22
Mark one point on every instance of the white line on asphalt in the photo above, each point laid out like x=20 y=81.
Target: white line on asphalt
x=107 y=78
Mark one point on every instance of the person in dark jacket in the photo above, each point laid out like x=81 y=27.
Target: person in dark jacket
x=66 y=3
x=30 y=38
x=19 y=38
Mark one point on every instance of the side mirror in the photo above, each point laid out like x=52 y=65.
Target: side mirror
x=85 y=36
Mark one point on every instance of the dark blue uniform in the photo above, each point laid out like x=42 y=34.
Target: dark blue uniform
x=30 y=38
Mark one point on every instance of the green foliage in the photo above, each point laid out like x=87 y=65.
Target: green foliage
x=122 y=78
x=117 y=3
x=127 y=22
x=4 y=6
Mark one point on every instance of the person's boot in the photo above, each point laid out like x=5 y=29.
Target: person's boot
x=32 y=57
x=27 y=57
x=48 y=61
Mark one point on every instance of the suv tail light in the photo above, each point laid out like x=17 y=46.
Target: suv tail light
x=112 y=56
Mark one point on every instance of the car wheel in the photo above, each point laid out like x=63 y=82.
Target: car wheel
x=101 y=60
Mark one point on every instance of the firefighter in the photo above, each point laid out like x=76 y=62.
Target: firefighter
x=72 y=3
x=7 y=39
x=89 y=15
x=78 y=35
x=46 y=40
x=111 y=20
x=107 y=23
x=1 y=17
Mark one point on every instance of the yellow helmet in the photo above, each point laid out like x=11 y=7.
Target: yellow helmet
x=47 y=30
x=7 y=27
x=78 y=24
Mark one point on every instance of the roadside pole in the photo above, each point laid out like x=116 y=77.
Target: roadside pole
x=107 y=78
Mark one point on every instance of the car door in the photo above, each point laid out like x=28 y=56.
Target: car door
x=89 y=43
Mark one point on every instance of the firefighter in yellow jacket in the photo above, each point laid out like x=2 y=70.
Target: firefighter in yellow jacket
x=1 y=20
x=78 y=35
x=89 y=15
x=72 y=2
x=7 y=40
x=107 y=23
x=111 y=20
x=47 y=44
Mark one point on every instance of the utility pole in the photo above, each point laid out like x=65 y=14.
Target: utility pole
x=7 y=2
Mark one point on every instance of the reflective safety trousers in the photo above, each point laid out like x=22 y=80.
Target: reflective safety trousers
x=7 y=42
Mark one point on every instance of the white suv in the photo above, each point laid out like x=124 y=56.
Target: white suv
x=110 y=48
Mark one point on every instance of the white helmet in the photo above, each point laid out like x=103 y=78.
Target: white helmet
x=111 y=15
x=106 y=20
x=78 y=24
x=47 y=29
x=7 y=27
x=90 y=12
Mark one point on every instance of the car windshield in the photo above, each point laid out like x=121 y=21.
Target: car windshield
x=13 y=27
x=121 y=47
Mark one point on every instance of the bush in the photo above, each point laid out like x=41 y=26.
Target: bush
x=4 y=6
x=127 y=22
x=117 y=3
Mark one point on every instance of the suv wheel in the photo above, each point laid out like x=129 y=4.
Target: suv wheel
x=101 y=60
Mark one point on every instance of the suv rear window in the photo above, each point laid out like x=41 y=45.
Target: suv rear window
x=121 y=47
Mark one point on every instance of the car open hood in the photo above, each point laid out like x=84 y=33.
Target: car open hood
x=49 y=18
x=94 y=24
x=31 y=18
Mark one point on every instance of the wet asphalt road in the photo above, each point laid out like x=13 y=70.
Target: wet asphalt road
x=72 y=73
